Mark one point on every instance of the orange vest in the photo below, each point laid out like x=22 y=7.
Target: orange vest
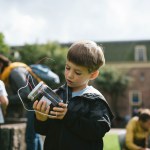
x=5 y=74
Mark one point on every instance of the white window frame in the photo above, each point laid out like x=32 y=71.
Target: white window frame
x=140 y=49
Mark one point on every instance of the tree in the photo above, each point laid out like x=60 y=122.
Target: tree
x=113 y=83
x=4 y=48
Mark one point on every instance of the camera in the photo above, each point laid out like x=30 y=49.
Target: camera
x=44 y=92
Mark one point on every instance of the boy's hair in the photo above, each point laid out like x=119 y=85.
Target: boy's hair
x=144 y=115
x=87 y=54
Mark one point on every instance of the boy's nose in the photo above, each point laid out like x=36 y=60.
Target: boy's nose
x=70 y=75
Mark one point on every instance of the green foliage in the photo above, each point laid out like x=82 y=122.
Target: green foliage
x=113 y=83
x=4 y=48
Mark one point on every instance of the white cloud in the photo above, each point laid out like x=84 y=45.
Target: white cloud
x=100 y=20
x=21 y=28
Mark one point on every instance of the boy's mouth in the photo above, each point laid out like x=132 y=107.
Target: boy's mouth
x=70 y=82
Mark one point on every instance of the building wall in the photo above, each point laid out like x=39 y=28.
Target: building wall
x=141 y=84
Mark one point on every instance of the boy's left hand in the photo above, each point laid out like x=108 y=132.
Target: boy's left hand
x=59 y=112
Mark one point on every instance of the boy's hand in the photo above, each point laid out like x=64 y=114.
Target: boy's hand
x=59 y=112
x=41 y=109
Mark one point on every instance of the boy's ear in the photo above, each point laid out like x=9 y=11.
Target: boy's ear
x=94 y=75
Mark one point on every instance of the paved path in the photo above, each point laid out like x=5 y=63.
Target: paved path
x=117 y=131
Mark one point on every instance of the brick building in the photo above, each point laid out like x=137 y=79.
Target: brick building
x=132 y=57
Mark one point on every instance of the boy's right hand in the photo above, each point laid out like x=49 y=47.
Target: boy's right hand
x=41 y=109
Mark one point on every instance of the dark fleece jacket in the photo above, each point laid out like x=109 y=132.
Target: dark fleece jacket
x=87 y=120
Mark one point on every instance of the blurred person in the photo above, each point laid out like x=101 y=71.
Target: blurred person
x=3 y=101
x=14 y=75
x=84 y=116
x=138 y=131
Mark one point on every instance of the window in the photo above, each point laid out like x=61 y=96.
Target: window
x=140 y=53
x=135 y=98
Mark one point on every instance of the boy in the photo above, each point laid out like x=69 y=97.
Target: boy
x=81 y=121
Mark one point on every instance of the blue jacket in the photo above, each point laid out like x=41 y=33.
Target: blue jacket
x=87 y=120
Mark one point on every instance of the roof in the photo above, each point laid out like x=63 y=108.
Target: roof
x=123 y=51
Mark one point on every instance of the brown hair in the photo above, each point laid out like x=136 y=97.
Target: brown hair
x=87 y=54
x=144 y=115
x=5 y=61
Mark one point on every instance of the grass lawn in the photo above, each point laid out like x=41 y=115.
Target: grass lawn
x=111 y=142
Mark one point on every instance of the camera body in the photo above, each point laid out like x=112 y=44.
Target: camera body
x=44 y=92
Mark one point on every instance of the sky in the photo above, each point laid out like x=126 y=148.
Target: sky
x=41 y=21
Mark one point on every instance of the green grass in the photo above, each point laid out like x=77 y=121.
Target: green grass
x=111 y=142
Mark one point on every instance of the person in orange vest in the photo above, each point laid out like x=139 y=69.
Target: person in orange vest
x=14 y=75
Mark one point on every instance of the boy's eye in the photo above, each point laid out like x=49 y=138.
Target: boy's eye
x=78 y=73
x=67 y=68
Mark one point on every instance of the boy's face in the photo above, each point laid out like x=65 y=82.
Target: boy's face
x=77 y=77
